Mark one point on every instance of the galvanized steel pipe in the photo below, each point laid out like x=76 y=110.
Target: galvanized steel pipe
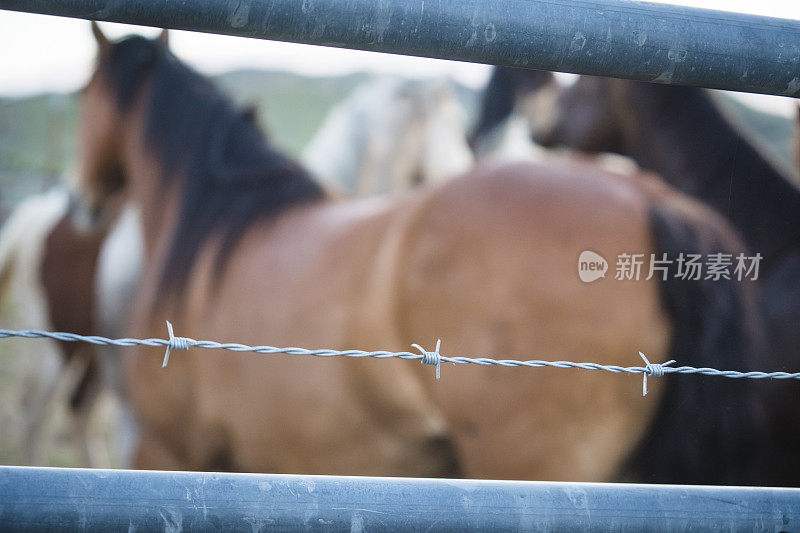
x=641 y=41
x=36 y=499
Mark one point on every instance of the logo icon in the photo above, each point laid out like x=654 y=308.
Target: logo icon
x=591 y=266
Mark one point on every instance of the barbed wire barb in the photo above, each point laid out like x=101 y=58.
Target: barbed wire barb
x=654 y=370
x=431 y=358
x=176 y=343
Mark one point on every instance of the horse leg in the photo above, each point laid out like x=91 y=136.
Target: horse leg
x=125 y=432
x=79 y=435
x=45 y=381
x=84 y=396
x=123 y=427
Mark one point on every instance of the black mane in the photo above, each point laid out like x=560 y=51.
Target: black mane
x=228 y=173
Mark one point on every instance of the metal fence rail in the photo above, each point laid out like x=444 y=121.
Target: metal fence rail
x=618 y=38
x=108 y=500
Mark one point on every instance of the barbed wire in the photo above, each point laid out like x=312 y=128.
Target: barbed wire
x=433 y=358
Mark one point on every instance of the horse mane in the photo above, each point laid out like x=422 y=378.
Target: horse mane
x=230 y=176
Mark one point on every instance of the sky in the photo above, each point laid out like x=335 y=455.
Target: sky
x=41 y=53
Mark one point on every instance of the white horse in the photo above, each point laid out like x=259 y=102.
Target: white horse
x=390 y=135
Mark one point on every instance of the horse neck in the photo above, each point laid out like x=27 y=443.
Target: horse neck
x=679 y=133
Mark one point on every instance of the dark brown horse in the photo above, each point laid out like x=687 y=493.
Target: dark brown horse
x=241 y=244
x=680 y=133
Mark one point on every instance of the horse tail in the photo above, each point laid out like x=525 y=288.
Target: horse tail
x=706 y=429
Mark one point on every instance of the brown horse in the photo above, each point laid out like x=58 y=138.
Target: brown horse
x=680 y=133
x=241 y=244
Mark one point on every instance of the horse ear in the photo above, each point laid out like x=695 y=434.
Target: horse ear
x=163 y=38
x=102 y=40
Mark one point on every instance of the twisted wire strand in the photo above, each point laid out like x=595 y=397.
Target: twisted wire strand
x=430 y=358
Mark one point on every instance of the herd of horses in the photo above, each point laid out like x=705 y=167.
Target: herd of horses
x=183 y=210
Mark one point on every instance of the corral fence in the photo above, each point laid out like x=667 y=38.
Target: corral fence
x=113 y=500
x=640 y=41
x=647 y=42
